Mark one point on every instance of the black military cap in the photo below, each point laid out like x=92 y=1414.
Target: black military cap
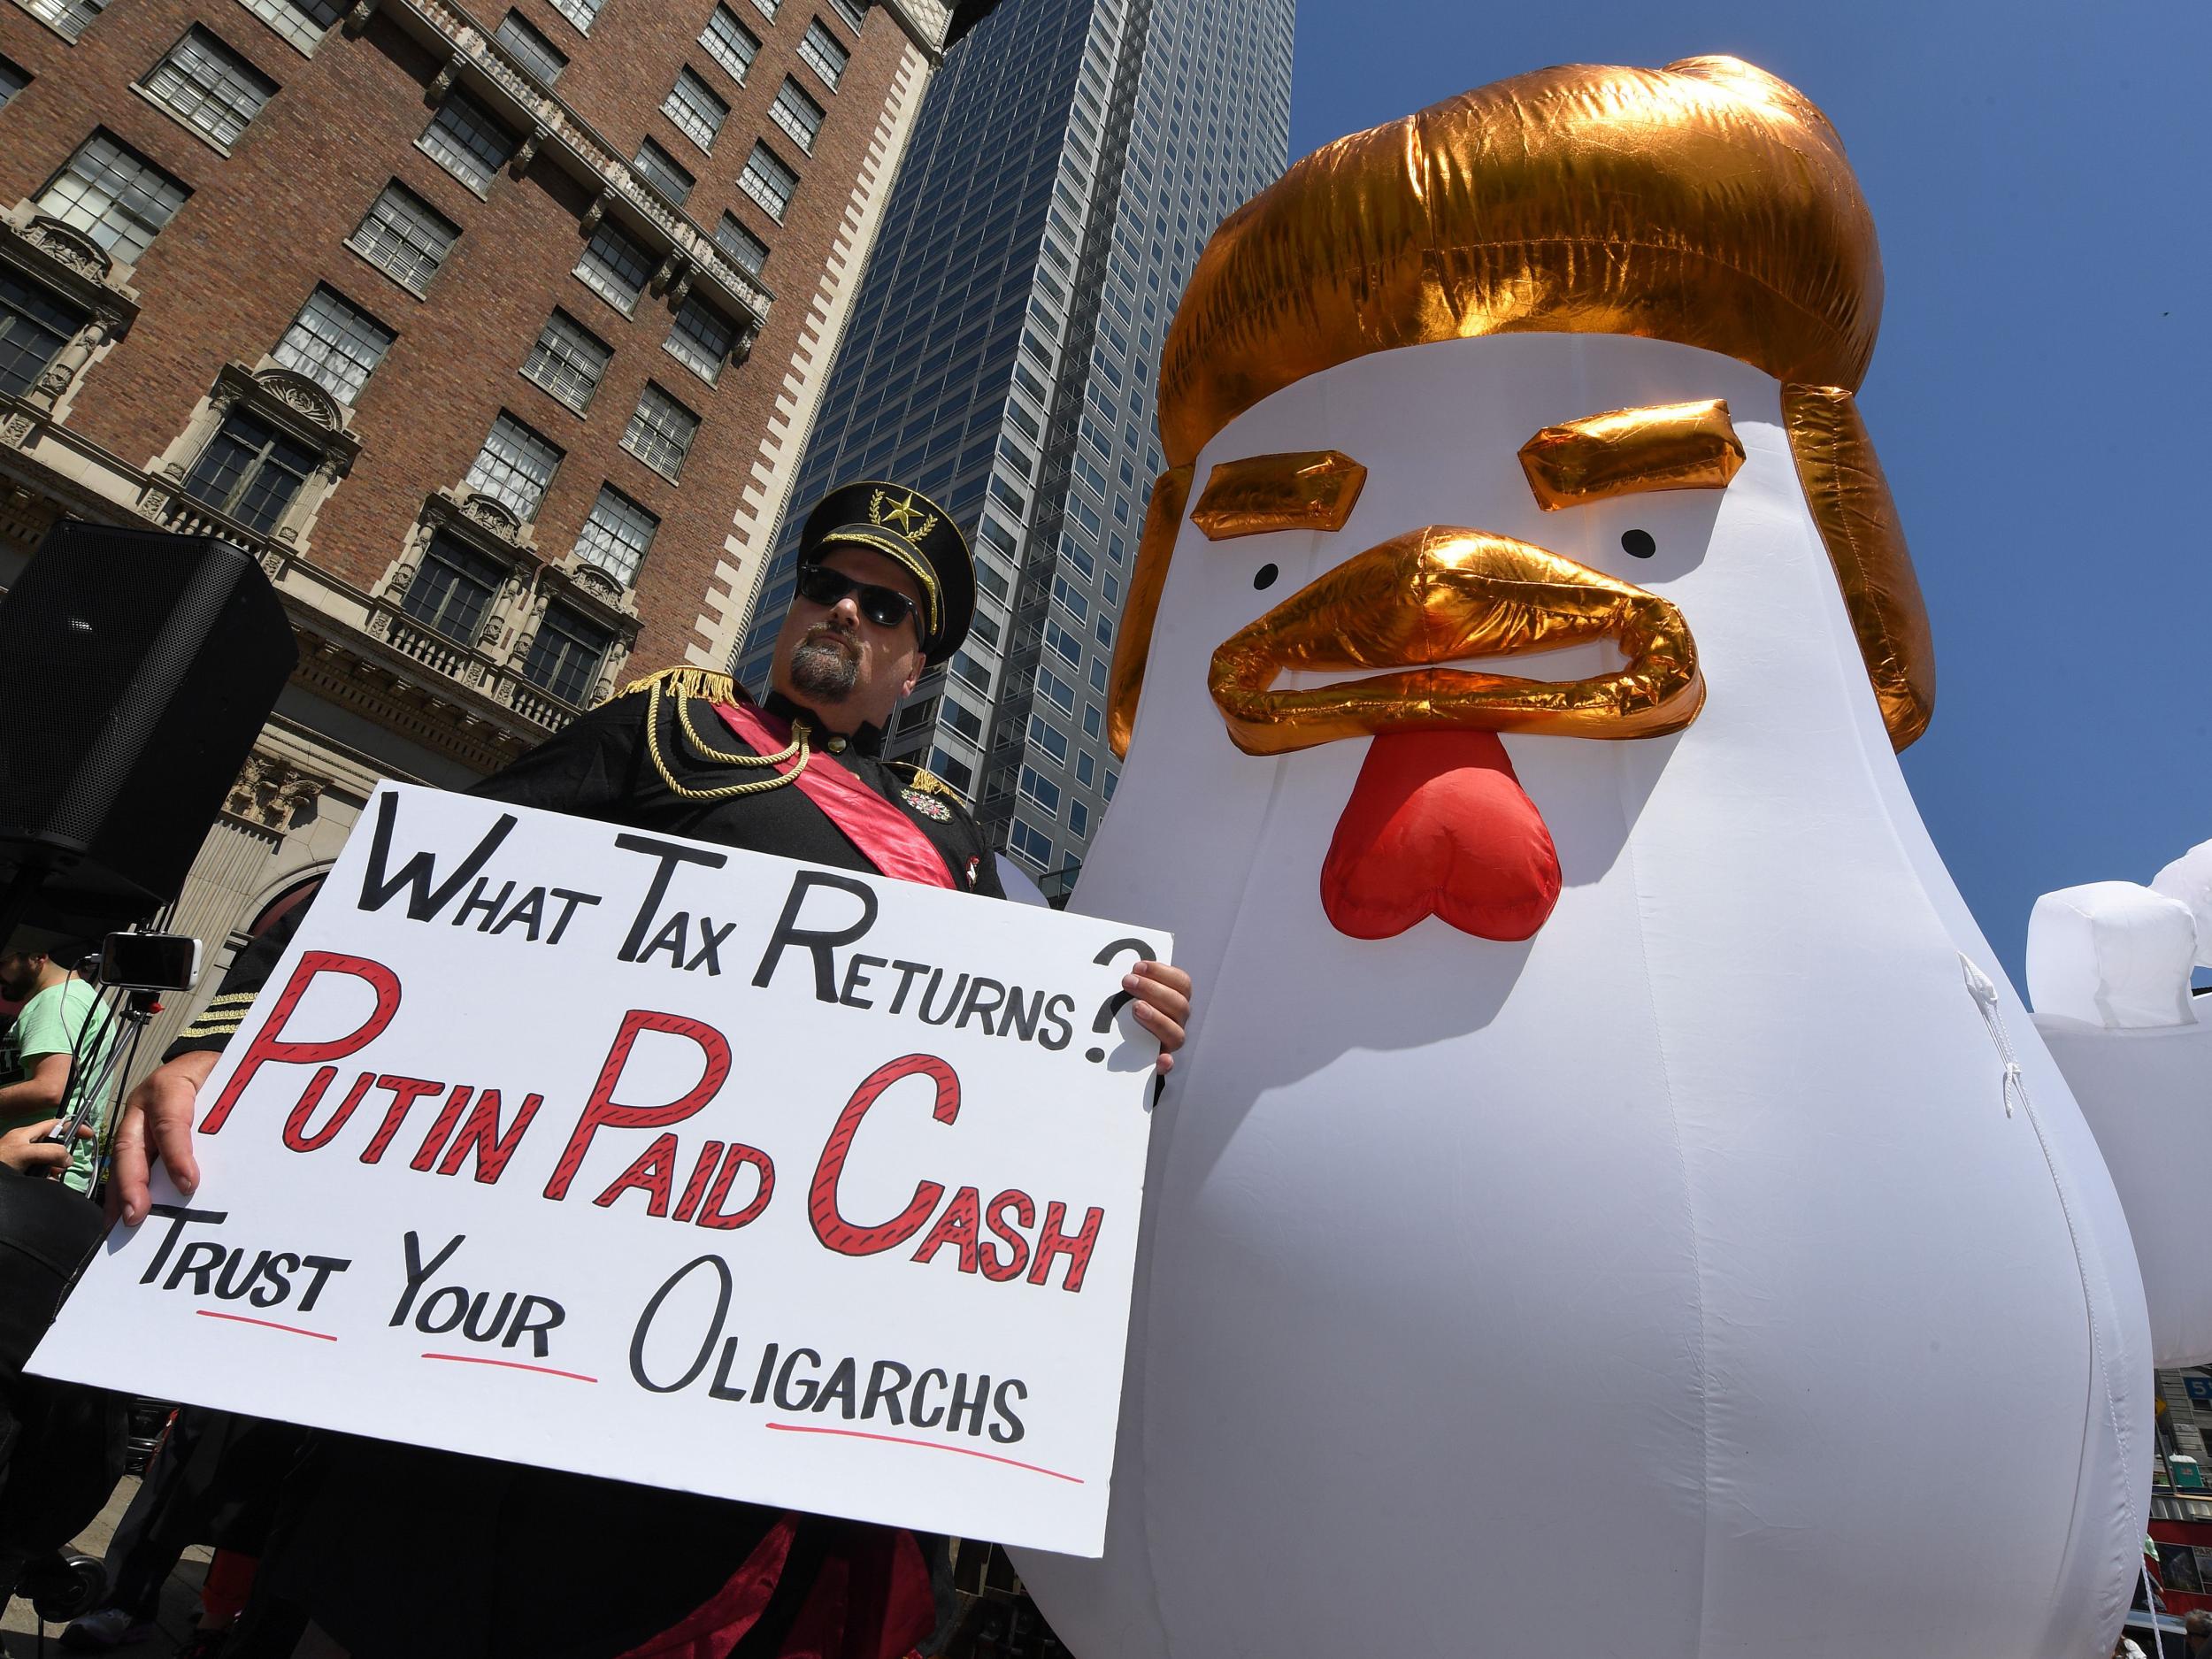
x=903 y=525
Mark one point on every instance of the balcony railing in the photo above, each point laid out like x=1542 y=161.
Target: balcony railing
x=388 y=625
x=469 y=43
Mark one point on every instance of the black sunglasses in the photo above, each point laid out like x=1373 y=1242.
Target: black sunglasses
x=886 y=607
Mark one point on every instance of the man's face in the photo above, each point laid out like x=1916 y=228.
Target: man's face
x=831 y=658
x=18 y=974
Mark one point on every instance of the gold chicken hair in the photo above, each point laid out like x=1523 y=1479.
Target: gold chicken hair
x=1707 y=204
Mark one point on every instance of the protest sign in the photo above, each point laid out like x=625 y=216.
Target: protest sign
x=556 y=1143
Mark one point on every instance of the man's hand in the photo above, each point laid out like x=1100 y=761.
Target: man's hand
x=1161 y=996
x=159 y=1111
x=29 y=1150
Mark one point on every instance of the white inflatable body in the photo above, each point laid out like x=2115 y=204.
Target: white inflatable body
x=1686 y=1280
x=2146 y=1092
x=2108 y=966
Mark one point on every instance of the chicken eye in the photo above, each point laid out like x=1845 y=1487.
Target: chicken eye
x=1637 y=544
x=1264 y=577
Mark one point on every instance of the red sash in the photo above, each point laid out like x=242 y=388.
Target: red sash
x=889 y=840
x=871 y=1598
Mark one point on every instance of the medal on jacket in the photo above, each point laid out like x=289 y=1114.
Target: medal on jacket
x=928 y=805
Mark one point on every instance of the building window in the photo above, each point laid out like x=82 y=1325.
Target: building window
x=303 y=23
x=250 y=471
x=768 y=181
x=660 y=432
x=820 y=52
x=1055 y=691
x=466 y=141
x=582 y=13
x=701 y=339
x=1085 y=768
x=697 y=113
x=454 y=589
x=963 y=719
x=1048 y=737
x=997 y=536
x=515 y=467
x=1079 y=817
x=798 y=115
x=13 y=79
x=564 y=658
x=68 y=19
x=1040 y=790
x=209 y=88
x=535 y=53
x=334 y=343
x=741 y=244
x=730 y=43
x=568 y=361
x=406 y=237
x=33 y=329
x=1032 y=844
x=659 y=169
x=114 y=195
x=767 y=8
x=617 y=536
x=854 y=12
x=615 y=268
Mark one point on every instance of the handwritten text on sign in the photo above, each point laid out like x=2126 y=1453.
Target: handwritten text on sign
x=569 y=1145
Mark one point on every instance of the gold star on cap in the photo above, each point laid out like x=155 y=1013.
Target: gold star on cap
x=900 y=515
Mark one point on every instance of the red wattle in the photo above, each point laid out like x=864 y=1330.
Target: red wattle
x=1439 y=825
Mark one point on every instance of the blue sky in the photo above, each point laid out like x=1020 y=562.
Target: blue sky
x=2040 y=177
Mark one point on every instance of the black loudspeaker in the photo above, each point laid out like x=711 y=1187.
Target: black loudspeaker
x=135 y=668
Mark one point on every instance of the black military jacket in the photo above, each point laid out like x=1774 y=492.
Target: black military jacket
x=616 y=763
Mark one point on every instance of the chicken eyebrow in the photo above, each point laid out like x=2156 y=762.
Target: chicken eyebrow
x=1300 y=489
x=1659 y=446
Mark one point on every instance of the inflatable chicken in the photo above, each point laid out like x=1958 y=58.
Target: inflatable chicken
x=1611 y=1200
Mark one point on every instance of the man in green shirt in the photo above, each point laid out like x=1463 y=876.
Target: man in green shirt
x=35 y=1080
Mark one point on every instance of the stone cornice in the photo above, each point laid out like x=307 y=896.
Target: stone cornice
x=348 y=668
x=63 y=259
x=926 y=23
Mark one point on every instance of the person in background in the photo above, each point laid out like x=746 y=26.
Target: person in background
x=27 y=1151
x=2197 y=1634
x=37 y=1081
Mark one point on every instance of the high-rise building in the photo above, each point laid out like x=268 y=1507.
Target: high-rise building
x=1067 y=166
x=489 y=331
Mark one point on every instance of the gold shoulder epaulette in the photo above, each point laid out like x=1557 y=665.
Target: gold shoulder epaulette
x=928 y=782
x=688 y=682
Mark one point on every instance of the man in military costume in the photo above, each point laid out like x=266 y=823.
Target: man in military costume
x=399 y=1553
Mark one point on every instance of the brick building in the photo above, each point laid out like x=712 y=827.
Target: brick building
x=493 y=336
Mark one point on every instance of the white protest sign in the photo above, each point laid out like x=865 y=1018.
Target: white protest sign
x=569 y=1145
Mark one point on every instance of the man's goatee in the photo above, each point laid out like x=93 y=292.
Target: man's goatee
x=820 y=669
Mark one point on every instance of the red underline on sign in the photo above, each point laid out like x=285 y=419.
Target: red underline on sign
x=934 y=1445
x=240 y=1318
x=510 y=1364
